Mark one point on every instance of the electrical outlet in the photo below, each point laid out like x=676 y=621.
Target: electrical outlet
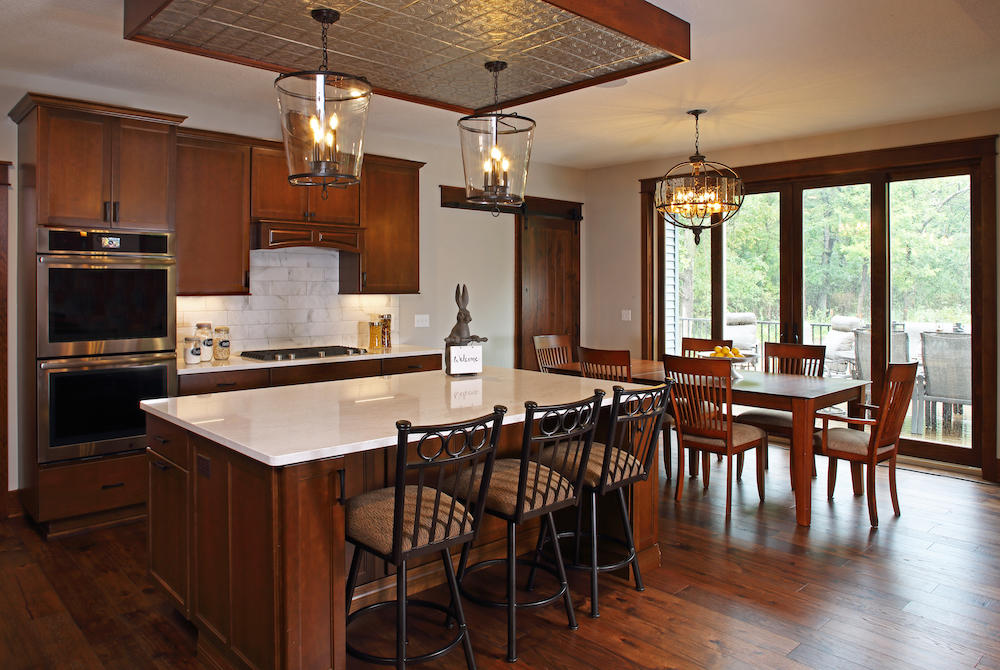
x=626 y=315
x=421 y=320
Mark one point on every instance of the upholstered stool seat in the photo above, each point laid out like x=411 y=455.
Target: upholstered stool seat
x=370 y=518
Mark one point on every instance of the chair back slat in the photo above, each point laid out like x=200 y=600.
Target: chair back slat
x=702 y=394
x=899 y=381
x=556 y=439
x=634 y=429
x=794 y=359
x=610 y=364
x=430 y=462
x=552 y=350
x=693 y=346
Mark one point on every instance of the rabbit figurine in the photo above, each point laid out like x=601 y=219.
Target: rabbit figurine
x=459 y=335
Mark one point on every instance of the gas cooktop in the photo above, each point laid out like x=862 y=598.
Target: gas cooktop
x=302 y=352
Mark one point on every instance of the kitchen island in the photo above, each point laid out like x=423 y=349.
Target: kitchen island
x=246 y=514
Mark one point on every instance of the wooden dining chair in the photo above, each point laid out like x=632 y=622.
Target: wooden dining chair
x=693 y=346
x=552 y=350
x=880 y=444
x=612 y=364
x=702 y=401
x=789 y=359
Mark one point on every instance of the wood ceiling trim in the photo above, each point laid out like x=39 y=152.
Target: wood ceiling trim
x=140 y=12
x=637 y=19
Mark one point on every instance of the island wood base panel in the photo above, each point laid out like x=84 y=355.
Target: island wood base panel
x=255 y=556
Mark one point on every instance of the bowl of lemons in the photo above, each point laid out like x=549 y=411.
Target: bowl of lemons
x=732 y=354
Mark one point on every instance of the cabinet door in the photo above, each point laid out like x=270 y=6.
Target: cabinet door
x=168 y=528
x=213 y=217
x=342 y=205
x=74 y=168
x=390 y=217
x=144 y=175
x=272 y=197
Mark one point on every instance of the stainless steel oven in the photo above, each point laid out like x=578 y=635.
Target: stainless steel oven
x=90 y=405
x=105 y=292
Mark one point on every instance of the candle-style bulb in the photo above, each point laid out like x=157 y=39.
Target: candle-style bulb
x=495 y=153
x=334 y=122
x=316 y=128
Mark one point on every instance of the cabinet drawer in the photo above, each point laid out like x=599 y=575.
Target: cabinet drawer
x=398 y=366
x=215 y=382
x=168 y=440
x=94 y=486
x=324 y=372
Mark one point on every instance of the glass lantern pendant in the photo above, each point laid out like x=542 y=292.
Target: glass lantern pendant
x=698 y=194
x=323 y=119
x=496 y=148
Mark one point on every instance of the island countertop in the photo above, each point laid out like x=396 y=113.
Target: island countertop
x=293 y=424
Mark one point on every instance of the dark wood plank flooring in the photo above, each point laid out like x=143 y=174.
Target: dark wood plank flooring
x=922 y=591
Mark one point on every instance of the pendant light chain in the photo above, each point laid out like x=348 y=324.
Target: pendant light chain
x=697 y=132
x=326 y=27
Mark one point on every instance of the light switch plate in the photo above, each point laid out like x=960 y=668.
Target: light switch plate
x=626 y=315
x=421 y=320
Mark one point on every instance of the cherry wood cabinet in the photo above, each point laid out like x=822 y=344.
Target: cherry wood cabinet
x=229 y=380
x=324 y=372
x=407 y=364
x=168 y=511
x=213 y=215
x=390 y=217
x=274 y=198
x=85 y=487
x=97 y=166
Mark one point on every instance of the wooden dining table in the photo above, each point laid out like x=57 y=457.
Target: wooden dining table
x=799 y=394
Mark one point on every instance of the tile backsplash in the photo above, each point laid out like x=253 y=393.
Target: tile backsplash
x=293 y=301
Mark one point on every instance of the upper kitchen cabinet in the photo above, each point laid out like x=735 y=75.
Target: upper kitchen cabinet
x=213 y=214
x=390 y=217
x=274 y=198
x=97 y=166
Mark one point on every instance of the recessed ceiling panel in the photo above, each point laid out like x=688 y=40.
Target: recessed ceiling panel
x=431 y=51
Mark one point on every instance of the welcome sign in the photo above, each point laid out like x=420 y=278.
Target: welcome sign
x=463 y=360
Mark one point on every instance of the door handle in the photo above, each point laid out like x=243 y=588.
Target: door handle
x=117 y=485
x=364 y=279
x=107 y=211
x=159 y=465
x=222 y=385
x=161 y=440
x=116 y=210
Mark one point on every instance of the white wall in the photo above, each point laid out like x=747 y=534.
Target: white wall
x=456 y=246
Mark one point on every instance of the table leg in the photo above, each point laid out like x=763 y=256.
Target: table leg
x=803 y=411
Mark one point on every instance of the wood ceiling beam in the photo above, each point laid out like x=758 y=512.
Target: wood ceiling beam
x=638 y=19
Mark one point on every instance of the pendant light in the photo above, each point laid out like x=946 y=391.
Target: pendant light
x=496 y=148
x=323 y=119
x=698 y=194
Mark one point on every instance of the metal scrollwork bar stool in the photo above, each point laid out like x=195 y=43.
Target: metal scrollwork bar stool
x=431 y=507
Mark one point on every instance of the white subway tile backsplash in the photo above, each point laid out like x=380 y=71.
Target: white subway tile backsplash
x=294 y=301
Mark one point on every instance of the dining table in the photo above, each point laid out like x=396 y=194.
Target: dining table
x=801 y=395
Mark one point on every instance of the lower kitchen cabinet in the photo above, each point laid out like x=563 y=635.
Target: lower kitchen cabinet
x=228 y=380
x=325 y=372
x=76 y=489
x=169 y=528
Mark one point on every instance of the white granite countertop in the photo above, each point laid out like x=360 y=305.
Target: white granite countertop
x=294 y=424
x=235 y=362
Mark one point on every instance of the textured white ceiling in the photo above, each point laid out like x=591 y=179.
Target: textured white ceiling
x=766 y=70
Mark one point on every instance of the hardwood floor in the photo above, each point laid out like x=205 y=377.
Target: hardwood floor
x=922 y=591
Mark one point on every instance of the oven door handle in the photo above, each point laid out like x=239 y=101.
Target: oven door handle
x=107 y=361
x=106 y=260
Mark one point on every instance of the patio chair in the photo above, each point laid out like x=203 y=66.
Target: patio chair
x=839 y=343
x=741 y=327
x=947 y=377
x=899 y=351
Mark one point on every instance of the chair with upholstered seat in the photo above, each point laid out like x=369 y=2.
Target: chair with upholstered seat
x=611 y=364
x=880 y=444
x=702 y=400
x=552 y=350
x=423 y=513
x=633 y=433
x=789 y=359
x=533 y=486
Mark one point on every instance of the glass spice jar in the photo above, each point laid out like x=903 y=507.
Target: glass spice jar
x=192 y=350
x=221 y=349
x=203 y=331
x=374 y=336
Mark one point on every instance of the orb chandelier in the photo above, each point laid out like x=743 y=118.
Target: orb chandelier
x=323 y=118
x=496 y=148
x=698 y=194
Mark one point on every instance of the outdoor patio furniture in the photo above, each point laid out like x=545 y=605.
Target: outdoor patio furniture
x=839 y=343
x=946 y=378
x=899 y=351
x=741 y=327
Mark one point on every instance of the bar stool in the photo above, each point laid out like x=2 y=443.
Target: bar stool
x=531 y=486
x=422 y=513
x=634 y=430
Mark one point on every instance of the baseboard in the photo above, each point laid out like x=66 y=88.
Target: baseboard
x=14 y=504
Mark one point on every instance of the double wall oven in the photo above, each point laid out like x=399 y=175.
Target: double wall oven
x=106 y=337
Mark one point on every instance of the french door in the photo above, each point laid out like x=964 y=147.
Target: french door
x=885 y=265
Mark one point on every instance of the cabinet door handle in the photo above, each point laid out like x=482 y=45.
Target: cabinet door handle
x=414 y=367
x=223 y=385
x=341 y=498
x=364 y=279
x=116 y=210
x=107 y=211
x=161 y=440
x=159 y=465
x=117 y=485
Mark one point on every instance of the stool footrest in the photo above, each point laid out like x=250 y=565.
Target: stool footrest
x=486 y=602
x=449 y=613
x=601 y=567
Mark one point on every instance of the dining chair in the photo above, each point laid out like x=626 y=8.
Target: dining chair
x=610 y=364
x=880 y=443
x=552 y=350
x=702 y=401
x=623 y=458
x=531 y=486
x=789 y=359
x=430 y=508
